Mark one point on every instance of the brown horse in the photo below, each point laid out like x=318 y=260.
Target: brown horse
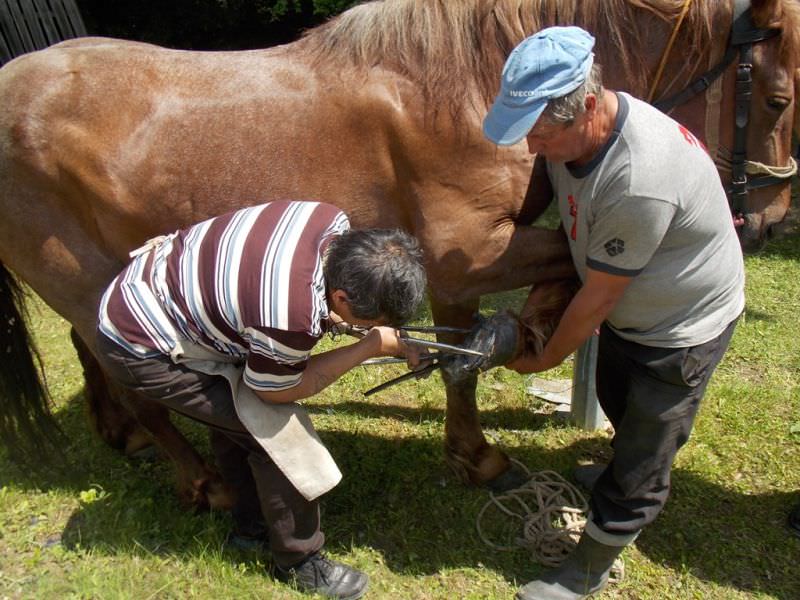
x=105 y=143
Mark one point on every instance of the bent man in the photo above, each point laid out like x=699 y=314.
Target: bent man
x=654 y=245
x=253 y=291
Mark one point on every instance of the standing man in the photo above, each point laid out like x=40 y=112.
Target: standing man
x=662 y=275
x=217 y=322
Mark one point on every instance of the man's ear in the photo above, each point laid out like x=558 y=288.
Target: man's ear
x=340 y=296
x=590 y=104
x=339 y=300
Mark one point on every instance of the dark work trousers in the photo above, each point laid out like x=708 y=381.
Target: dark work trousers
x=263 y=490
x=651 y=396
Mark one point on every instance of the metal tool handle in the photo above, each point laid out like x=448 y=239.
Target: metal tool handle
x=447 y=348
x=434 y=329
x=394 y=360
x=410 y=375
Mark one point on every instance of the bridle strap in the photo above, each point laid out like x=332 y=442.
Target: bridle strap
x=743 y=35
x=742 y=32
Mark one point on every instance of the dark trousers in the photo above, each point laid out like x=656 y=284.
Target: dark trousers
x=264 y=492
x=651 y=396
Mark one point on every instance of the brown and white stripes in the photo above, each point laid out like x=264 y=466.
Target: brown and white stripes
x=247 y=284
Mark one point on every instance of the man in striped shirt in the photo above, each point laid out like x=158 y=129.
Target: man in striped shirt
x=259 y=287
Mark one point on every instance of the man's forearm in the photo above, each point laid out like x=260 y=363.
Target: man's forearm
x=588 y=309
x=322 y=370
x=579 y=322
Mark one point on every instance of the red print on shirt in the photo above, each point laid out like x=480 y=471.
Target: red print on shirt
x=573 y=212
x=689 y=137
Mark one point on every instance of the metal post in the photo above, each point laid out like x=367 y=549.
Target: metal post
x=585 y=409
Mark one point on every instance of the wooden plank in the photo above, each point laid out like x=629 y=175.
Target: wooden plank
x=5 y=51
x=19 y=38
x=74 y=16
x=27 y=25
x=62 y=19
x=31 y=19
x=47 y=22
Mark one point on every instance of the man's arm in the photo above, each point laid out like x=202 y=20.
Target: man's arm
x=587 y=310
x=325 y=368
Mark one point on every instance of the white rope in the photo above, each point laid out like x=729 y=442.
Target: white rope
x=551 y=514
x=756 y=168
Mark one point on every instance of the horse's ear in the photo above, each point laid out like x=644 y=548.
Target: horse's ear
x=766 y=13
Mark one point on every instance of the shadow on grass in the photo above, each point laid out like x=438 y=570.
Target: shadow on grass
x=399 y=499
x=728 y=537
x=516 y=418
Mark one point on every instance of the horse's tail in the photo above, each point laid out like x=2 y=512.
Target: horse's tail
x=27 y=427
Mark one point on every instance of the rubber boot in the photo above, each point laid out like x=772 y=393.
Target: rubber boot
x=587 y=475
x=583 y=572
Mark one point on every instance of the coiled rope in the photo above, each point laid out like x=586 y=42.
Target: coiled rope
x=551 y=512
x=552 y=515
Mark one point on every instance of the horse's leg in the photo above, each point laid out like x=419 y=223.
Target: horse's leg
x=46 y=243
x=115 y=424
x=130 y=422
x=198 y=484
x=467 y=452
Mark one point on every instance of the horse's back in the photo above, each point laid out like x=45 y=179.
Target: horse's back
x=135 y=139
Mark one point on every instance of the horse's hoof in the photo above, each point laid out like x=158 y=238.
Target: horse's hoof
x=209 y=493
x=511 y=479
x=139 y=444
x=144 y=454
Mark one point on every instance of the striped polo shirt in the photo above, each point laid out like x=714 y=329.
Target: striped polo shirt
x=247 y=284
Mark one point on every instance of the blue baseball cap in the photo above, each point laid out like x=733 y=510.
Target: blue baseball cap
x=547 y=65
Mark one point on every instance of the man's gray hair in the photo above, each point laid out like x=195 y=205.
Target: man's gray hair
x=567 y=108
x=381 y=271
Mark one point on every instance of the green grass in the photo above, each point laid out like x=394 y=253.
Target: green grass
x=102 y=526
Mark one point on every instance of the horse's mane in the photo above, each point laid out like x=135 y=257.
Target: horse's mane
x=437 y=43
x=455 y=50
x=787 y=19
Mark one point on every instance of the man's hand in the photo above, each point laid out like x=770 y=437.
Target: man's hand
x=384 y=341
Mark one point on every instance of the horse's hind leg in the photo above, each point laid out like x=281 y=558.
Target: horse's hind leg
x=130 y=424
x=115 y=425
x=198 y=484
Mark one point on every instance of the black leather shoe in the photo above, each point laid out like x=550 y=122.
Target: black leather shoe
x=320 y=575
x=794 y=520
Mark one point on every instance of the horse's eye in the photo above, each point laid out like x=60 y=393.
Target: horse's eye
x=778 y=102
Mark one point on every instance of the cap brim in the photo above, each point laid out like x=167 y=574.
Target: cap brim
x=506 y=125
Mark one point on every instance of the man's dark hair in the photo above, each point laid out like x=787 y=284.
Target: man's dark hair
x=380 y=270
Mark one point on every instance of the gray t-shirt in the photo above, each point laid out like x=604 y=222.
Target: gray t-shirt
x=651 y=206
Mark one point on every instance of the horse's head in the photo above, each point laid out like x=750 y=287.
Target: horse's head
x=746 y=112
x=773 y=114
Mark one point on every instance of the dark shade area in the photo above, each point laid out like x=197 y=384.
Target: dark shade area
x=208 y=24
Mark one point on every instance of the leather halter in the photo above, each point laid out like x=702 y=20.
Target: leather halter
x=743 y=35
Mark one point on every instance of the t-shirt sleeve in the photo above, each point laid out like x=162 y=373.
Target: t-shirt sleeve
x=276 y=359
x=626 y=233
